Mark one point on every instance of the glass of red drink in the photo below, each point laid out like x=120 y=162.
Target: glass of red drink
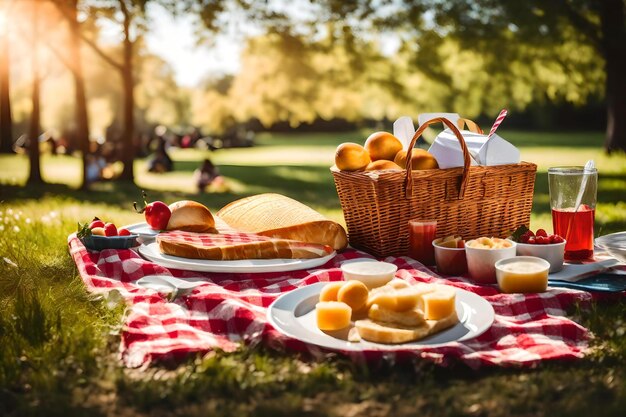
x=421 y=236
x=570 y=220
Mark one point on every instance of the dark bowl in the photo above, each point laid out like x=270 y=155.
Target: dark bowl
x=95 y=242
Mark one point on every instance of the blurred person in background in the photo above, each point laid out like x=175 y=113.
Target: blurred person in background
x=208 y=175
x=96 y=163
x=161 y=161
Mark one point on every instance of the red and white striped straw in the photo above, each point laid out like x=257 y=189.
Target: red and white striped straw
x=499 y=120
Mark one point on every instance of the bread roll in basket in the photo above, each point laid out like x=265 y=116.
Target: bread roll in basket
x=278 y=216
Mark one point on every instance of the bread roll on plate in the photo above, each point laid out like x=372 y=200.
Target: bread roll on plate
x=191 y=216
x=277 y=216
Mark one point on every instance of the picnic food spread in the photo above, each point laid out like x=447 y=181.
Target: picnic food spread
x=277 y=216
x=392 y=313
x=390 y=212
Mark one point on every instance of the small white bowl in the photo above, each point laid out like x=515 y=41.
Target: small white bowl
x=481 y=262
x=371 y=273
x=552 y=252
x=522 y=274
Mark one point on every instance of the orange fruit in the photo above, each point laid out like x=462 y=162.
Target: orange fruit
x=420 y=159
x=351 y=157
x=382 y=164
x=382 y=145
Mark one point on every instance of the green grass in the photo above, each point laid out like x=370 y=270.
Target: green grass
x=59 y=344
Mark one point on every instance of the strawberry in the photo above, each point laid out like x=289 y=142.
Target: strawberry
x=110 y=229
x=558 y=239
x=541 y=232
x=96 y=223
x=532 y=240
x=524 y=238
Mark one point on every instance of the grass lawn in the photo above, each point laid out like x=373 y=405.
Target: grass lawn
x=59 y=345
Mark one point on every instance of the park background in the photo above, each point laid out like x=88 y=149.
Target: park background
x=267 y=90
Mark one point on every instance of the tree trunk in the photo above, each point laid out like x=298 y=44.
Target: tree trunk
x=6 y=121
x=128 y=136
x=128 y=157
x=614 y=51
x=35 y=129
x=82 y=120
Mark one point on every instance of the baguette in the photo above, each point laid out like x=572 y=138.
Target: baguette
x=278 y=216
x=236 y=246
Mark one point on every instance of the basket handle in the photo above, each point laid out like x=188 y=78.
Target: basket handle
x=408 y=183
x=471 y=125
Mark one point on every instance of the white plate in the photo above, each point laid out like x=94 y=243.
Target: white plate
x=151 y=252
x=615 y=244
x=293 y=314
x=142 y=229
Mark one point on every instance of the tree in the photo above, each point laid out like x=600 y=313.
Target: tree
x=598 y=24
x=80 y=104
x=287 y=77
x=69 y=9
x=159 y=100
x=129 y=10
x=6 y=121
x=35 y=124
x=509 y=32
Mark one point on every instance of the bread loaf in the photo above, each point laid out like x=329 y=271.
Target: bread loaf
x=383 y=332
x=413 y=317
x=277 y=216
x=191 y=216
x=236 y=246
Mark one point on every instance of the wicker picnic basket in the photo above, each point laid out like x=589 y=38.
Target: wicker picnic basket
x=471 y=201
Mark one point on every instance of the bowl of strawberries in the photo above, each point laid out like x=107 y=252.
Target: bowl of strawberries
x=99 y=235
x=550 y=247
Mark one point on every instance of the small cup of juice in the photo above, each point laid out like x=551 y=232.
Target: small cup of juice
x=421 y=236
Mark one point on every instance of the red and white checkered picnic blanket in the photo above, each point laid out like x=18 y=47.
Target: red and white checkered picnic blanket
x=230 y=309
